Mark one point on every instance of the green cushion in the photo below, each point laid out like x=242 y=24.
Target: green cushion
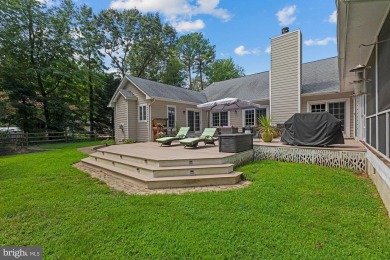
x=207 y=135
x=165 y=139
x=190 y=141
x=183 y=132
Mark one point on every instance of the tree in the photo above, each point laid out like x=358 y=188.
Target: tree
x=152 y=47
x=89 y=57
x=174 y=73
x=223 y=69
x=37 y=44
x=118 y=31
x=187 y=51
x=204 y=55
x=104 y=115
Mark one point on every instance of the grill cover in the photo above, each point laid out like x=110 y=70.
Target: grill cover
x=312 y=129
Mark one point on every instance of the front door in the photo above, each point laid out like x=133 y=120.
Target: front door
x=193 y=120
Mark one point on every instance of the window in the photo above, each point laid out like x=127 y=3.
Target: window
x=318 y=108
x=261 y=112
x=251 y=116
x=249 y=119
x=337 y=109
x=142 y=113
x=171 y=116
x=193 y=120
x=220 y=119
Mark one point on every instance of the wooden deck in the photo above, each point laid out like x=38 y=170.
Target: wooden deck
x=153 y=151
x=153 y=166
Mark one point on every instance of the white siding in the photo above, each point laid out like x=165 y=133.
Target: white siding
x=142 y=129
x=121 y=118
x=159 y=110
x=133 y=117
x=285 y=76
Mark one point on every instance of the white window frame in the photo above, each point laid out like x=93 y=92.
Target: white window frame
x=347 y=125
x=174 y=107
x=243 y=114
x=142 y=108
x=211 y=118
x=200 y=118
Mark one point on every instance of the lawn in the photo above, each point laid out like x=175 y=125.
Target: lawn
x=290 y=211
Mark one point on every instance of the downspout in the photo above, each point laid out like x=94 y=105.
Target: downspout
x=150 y=121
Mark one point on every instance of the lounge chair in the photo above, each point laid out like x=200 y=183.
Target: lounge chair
x=180 y=135
x=207 y=137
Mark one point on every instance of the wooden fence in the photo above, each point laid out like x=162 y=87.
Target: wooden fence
x=26 y=139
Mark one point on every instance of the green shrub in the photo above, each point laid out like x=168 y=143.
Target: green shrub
x=129 y=141
x=108 y=142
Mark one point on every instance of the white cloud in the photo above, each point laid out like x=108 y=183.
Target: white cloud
x=241 y=51
x=286 y=16
x=268 y=49
x=178 y=12
x=319 y=42
x=189 y=26
x=333 y=17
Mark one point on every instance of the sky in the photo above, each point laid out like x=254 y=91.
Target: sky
x=243 y=29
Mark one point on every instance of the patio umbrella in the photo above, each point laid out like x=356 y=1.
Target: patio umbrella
x=227 y=104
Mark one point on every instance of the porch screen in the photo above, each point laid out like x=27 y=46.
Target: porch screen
x=382 y=133
x=373 y=132
x=384 y=67
x=370 y=85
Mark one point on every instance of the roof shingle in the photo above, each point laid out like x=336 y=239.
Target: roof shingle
x=317 y=77
x=160 y=90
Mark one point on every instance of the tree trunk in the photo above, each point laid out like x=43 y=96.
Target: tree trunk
x=46 y=110
x=91 y=106
x=200 y=76
x=189 y=77
x=39 y=77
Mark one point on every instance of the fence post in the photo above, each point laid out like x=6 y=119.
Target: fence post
x=27 y=139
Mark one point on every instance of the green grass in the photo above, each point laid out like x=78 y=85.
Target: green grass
x=290 y=211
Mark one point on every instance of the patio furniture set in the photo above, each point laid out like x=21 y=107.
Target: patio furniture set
x=228 y=143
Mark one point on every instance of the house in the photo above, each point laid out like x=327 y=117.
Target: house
x=289 y=87
x=354 y=87
x=364 y=39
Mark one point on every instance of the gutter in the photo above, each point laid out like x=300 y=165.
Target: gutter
x=173 y=100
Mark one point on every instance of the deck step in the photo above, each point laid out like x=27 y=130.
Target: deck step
x=154 y=171
x=166 y=182
x=160 y=162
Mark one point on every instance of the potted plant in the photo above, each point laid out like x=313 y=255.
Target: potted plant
x=266 y=130
x=160 y=126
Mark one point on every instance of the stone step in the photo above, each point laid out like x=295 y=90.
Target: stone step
x=160 y=162
x=165 y=182
x=156 y=172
